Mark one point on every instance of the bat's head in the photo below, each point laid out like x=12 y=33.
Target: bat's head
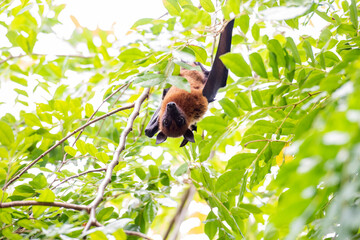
x=173 y=123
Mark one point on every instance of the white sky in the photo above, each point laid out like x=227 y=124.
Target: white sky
x=116 y=15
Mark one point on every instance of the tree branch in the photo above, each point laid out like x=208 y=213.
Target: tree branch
x=38 y=54
x=115 y=161
x=180 y=212
x=63 y=140
x=264 y=140
x=138 y=234
x=78 y=175
x=50 y=204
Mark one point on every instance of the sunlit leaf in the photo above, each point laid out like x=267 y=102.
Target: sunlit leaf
x=258 y=64
x=6 y=134
x=228 y=180
x=236 y=63
x=207 y=5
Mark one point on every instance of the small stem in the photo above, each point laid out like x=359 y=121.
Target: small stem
x=78 y=175
x=50 y=204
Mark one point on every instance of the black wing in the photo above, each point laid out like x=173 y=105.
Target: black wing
x=219 y=73
x=153 y=125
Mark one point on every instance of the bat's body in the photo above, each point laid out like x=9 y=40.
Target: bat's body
x=180 y=110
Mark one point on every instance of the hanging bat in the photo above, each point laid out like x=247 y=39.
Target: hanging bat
x=180 y=110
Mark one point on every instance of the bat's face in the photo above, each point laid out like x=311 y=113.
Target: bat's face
x=173 y=122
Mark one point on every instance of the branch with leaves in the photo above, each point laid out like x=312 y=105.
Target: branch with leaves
x=63 y=140
x=100 y=194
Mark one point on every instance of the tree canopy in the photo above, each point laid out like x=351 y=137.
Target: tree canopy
x=276 y=157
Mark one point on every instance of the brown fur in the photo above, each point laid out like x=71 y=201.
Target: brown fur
x=192 y=104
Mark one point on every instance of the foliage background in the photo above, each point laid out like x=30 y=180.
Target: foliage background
x=276 y=157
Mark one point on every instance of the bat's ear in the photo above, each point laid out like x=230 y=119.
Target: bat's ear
x=189 y=136
x=184 y=142
x=161 y=137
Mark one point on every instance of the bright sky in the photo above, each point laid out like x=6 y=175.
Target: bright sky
x=116 y=15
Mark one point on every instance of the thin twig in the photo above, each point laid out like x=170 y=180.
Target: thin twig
x=78 y=175
x=125 y=86
x=64 y=139
x=180 y=212
x=100 y=194
x=50 y=204
x=77 y=138
x=264 y=140
x=138 y=234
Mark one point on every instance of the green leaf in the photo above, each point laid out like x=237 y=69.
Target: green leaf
x=255 y=31
x=172 y=6
x=24 y=189
x=97 y=235
x=274 y=65
x=80 y=144
x=275 y=47
x=229 y=108
x=9 y=235
x=200 y=53
x=154 y=171
x=181 y=170
x=179 y=82
x=258 y=64
x=21 y=92
x=256 y=96
x=308 y=50
x=90 y=148
x=305 y=124
x=229 y=180
x=131 y=54
x=207 y=5
x=354 y=14
x=260 y=127
x=243 y=188
x=46 y=195
x=39 y=181
x=150 y=79
x=150 y=212
x=70 y=150
x=251 y=208
x=241 y=161
x=103 y=157
x=213 y=123
x=89 y=109
x=120 y=234
x=243 y=101
x=141 y=22
x=244 y=23
x=32 y=120
x=140 y=173
x=292 y=46
x=105 y=214
x=211 y=225
x=18 y=80
x=6 y=134
x=5 y=218
x=236 y=63
x=240 y=212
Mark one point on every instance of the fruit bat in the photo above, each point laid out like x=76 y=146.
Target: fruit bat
x=180 y=110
